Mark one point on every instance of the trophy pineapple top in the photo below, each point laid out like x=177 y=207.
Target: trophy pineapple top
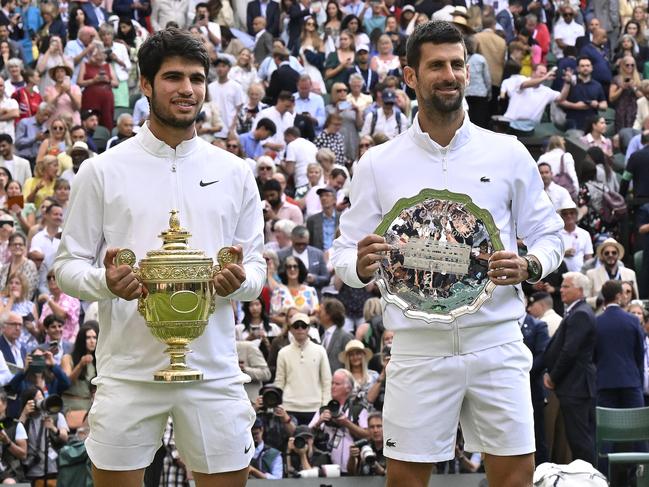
x=175 y=237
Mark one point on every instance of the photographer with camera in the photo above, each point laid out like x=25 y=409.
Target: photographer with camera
x=302 y=458
x=13 y=445
x=341 y=422
x=366 y=456
x=267 y=461
x=278 y=424
x=46 y=430
x=303 y=372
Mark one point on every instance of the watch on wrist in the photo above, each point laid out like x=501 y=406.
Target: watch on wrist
x=533 y=268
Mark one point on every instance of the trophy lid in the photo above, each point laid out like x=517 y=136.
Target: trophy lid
x=175 y=243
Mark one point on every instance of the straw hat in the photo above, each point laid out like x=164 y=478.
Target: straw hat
x=67 y=69
x=610 y=242
x=355 y=345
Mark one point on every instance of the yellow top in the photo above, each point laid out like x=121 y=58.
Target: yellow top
x=41 y=194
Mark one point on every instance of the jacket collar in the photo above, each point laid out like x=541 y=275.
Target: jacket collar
x=159 y=148
x=461 y=137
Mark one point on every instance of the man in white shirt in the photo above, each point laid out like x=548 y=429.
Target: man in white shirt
x=558 y=194
x=211 y=30
x=283 y=116
x=17 y=166
x=300 y=153
x=48 y=239
x=528 y=98
x=540 y=306
x=227 y=94
x=9 y=111
x=566 y=31
x=576 y=241
x=384 y=120
x=81 y=48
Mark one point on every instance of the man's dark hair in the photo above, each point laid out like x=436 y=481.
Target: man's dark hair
x=568 y=51
x=170 y=43
x=517 y=3
x=6 y=138
x=200 y=5
x=435 y=32
x=77 y=127
x=610 y=289
x=272 y=185
x=49 y=319
x=584 y=58
x=49 y=209
x=268 y=124
x=293 y=132
x=336 y=311
x=335 y=172
x=285 y=95
x=282 y=54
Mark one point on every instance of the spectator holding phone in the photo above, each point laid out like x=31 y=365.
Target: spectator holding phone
x=63 y=306
x=97 y=77
x=81 y=367
x=16 y=300
x=54 y=339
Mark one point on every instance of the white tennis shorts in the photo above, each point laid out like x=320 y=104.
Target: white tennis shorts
x=488 y=392
x=212 y=422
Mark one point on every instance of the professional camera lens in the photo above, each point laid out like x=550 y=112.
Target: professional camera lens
x=299 y=442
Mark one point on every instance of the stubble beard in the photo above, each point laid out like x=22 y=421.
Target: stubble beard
x=442 y=107
x=165 y=116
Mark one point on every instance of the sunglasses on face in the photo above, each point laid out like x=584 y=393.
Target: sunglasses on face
x=610 y=252
x=299 y=324
x=265 y=168
x=364 y=145
x=232 y=146
x=58 y=128
x=291 y=267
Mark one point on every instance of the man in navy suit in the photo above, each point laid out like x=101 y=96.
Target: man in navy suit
x=571 y=370
x=536 y=338
x=12 y=351
x=619 y=353
x=263 y=8
x=506 y=18
x=95 y=13
x=318 y=275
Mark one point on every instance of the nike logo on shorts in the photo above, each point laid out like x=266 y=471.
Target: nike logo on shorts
x=247 y=449
x=202 y=184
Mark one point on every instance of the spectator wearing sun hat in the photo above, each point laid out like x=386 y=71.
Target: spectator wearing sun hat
x=355 y=358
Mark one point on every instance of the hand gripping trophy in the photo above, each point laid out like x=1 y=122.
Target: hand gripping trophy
x=178 y=295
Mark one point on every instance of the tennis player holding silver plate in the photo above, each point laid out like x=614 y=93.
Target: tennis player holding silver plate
x=437 y=213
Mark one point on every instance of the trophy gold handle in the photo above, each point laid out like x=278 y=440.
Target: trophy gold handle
x=127 y=257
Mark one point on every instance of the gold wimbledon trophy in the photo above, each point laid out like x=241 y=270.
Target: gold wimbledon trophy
x=179 y=295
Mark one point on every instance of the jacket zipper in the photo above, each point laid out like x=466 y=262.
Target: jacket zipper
x=456 y=330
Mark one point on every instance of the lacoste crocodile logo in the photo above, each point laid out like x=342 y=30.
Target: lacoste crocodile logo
x=485 y=179
x=390 y=443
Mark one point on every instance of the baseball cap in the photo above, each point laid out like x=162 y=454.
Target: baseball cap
x=567 y=204
x=325 y=189
x=389 y=96
x=537 y=296
x=79 y=146
x=303 y=430
x=257 y=424
x=362 y=47
x=299 y=317
x=86 y=114
x=408 y=7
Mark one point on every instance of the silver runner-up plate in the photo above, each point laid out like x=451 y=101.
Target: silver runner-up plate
x=437 y=267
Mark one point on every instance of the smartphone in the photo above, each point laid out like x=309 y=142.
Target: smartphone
x=16 y=200
x=344 y=105
x=53 y=345
x=554 y=69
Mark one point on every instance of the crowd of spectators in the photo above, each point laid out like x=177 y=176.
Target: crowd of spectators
x=300 y=90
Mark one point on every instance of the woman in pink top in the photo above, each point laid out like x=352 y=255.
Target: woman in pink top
x=64 y=96
x=61 y=305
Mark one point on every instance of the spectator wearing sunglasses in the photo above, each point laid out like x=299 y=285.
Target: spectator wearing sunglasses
x=610 y=254
x=303 y=372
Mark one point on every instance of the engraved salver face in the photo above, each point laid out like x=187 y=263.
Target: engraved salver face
x=437 y=267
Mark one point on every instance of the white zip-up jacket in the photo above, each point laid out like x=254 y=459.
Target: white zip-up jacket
x=499 y=174
x=122 y=198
